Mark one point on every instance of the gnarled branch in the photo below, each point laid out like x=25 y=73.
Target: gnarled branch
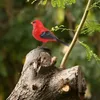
x=41 y=80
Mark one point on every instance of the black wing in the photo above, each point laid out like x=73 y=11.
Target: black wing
x=47 y=35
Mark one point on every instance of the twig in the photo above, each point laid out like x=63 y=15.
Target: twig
x=76 y=35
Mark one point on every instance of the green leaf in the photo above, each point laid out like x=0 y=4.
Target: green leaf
x=95 y=5
x=90 y=27
x=33 y=1
x=56 y=3
x=62 y=3
x=61 y=27
x=90 y=53
x=43 y=2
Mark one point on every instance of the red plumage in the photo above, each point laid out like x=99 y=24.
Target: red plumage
x=42 y=34
x=38 y=29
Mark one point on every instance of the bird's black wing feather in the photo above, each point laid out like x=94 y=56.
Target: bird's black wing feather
x=47 y=35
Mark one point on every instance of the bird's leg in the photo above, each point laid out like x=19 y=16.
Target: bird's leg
x=43 y=44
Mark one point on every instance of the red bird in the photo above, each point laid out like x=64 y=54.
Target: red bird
x=42 y=34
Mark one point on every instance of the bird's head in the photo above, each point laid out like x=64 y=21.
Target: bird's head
x=36 y=23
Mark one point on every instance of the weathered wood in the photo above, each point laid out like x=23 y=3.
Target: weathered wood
x=41 y=80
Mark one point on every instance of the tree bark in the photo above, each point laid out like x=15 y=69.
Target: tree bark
x=41 y=80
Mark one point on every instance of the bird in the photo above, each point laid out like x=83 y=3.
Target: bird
x=43 y=34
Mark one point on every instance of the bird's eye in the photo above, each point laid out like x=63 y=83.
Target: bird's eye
x=34 y=22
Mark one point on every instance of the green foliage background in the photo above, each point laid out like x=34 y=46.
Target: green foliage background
x=16 y=39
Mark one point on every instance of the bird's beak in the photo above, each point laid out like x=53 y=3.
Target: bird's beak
x=31 y=23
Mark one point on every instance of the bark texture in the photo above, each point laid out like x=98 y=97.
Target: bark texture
x=41 y=80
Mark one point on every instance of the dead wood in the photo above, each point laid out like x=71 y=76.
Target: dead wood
x=42 y=80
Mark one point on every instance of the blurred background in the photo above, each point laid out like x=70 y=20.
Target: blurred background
x=16 y=40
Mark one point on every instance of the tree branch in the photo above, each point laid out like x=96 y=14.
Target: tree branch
x=76 y=35
x=41 y=80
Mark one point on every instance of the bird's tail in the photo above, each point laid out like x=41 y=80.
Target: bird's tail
x=61 y=42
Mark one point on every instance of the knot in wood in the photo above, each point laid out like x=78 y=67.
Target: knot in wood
x=44 y=59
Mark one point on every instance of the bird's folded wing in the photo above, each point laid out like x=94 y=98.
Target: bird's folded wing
x=48 y=35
